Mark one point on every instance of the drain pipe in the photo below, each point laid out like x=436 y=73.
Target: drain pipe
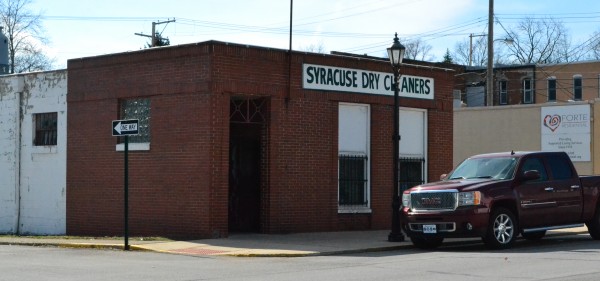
x=18 y=163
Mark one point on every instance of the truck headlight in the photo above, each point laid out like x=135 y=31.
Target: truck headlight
x=406 y=200
x=469 y=198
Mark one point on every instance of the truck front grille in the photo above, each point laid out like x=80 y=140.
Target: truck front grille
x=433 y=201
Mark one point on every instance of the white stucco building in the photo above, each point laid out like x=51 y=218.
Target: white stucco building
x=33 y=122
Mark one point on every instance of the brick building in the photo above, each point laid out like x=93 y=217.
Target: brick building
x=231 y=141
x=564 y=82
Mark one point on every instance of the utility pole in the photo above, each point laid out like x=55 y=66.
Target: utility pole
x=489 y=84
x=155 y=37
x=471 y=47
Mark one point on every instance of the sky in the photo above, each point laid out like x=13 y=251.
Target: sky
x=84 y=28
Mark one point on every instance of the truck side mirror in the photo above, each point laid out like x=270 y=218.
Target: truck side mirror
x=443 y=176
x=531 y=175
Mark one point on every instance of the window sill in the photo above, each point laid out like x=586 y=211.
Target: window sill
x=354 y=210
x=44 y=149
x=138 y=146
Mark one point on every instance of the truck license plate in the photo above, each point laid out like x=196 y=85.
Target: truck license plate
x=429 y=228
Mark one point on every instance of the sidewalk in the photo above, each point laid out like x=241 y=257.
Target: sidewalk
x=259 y=245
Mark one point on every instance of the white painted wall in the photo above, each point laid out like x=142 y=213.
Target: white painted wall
x=9 y=155
x=41 y=208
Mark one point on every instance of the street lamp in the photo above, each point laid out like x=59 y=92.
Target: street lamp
x=396 y=53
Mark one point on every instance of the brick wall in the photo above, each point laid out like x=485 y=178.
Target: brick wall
x=180 y=187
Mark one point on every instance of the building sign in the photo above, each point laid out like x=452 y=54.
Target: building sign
x=319 y=77
x=567 y=128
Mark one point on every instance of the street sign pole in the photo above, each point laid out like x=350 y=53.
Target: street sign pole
x=126 y=192
x=125 y=128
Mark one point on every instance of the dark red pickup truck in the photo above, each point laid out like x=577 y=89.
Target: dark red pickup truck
x=498 y=196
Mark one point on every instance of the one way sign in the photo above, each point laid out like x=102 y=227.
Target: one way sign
x=125 y=127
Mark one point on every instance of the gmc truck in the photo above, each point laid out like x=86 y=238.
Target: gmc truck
x=498 y=196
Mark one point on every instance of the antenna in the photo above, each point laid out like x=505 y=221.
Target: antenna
x=157 y=39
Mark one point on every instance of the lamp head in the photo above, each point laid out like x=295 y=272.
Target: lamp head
x=396 y=52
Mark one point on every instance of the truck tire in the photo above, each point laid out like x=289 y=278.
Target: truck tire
x=594 y=225
x=534 y=235
x=502 y=229
x=427 y=243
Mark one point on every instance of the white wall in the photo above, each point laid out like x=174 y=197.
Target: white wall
x=504 y=128
x=9 y=155
x=42 y=169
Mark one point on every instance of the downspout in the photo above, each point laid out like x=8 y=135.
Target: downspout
x=18 y=164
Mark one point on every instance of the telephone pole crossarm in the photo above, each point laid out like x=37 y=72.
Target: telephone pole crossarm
x=154 y=36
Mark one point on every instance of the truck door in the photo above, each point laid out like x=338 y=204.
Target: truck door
x=535 y=202
x=565 y=190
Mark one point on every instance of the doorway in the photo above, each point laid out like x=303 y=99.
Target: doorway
x=247 y=124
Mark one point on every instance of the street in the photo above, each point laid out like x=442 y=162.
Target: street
x=574 y=257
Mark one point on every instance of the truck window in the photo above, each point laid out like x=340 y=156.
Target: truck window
x=560 y=168
x=535 y=164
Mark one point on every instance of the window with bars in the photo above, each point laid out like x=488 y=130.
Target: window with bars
x=503 y=92
x=353 y=182
x=412 y=172
x=552 y=89
x=577 y=87
x=137 y=109
x=45 y=128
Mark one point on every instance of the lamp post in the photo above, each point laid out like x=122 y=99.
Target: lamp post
x=396 y=53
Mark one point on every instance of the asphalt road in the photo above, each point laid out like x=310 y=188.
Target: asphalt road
x=574 y=257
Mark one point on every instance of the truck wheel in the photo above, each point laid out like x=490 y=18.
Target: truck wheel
x=427 y=243
x=501 y=230
x=594 y=225
x=534 y=235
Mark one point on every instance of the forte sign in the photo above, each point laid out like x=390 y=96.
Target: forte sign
x=318 y=77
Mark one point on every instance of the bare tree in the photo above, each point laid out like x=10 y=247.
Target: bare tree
x=541 y=41
x=593 y=47
x=31 y=58
x=476 y=52
x=417 y=49
x=314 y=48
x=25 y=33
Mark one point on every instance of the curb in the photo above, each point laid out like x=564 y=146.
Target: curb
x=405 y=245
x=77 y=246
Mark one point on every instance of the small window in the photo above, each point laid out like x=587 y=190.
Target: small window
x=577 y=87
x=45 y=128
x=137 y=109
x=527 y=91
x=503 y=92
x=551 y=89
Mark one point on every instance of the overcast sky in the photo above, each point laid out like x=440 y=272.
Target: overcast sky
x=81 y=28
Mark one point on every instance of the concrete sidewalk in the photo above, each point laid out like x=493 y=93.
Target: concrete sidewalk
x=258 y=245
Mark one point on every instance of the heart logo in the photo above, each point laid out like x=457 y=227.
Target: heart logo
x=552 y=122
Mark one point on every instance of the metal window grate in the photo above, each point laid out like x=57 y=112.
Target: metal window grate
x=45 y=128
x=248 y=110
x=353 y=180
x=411 y=172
